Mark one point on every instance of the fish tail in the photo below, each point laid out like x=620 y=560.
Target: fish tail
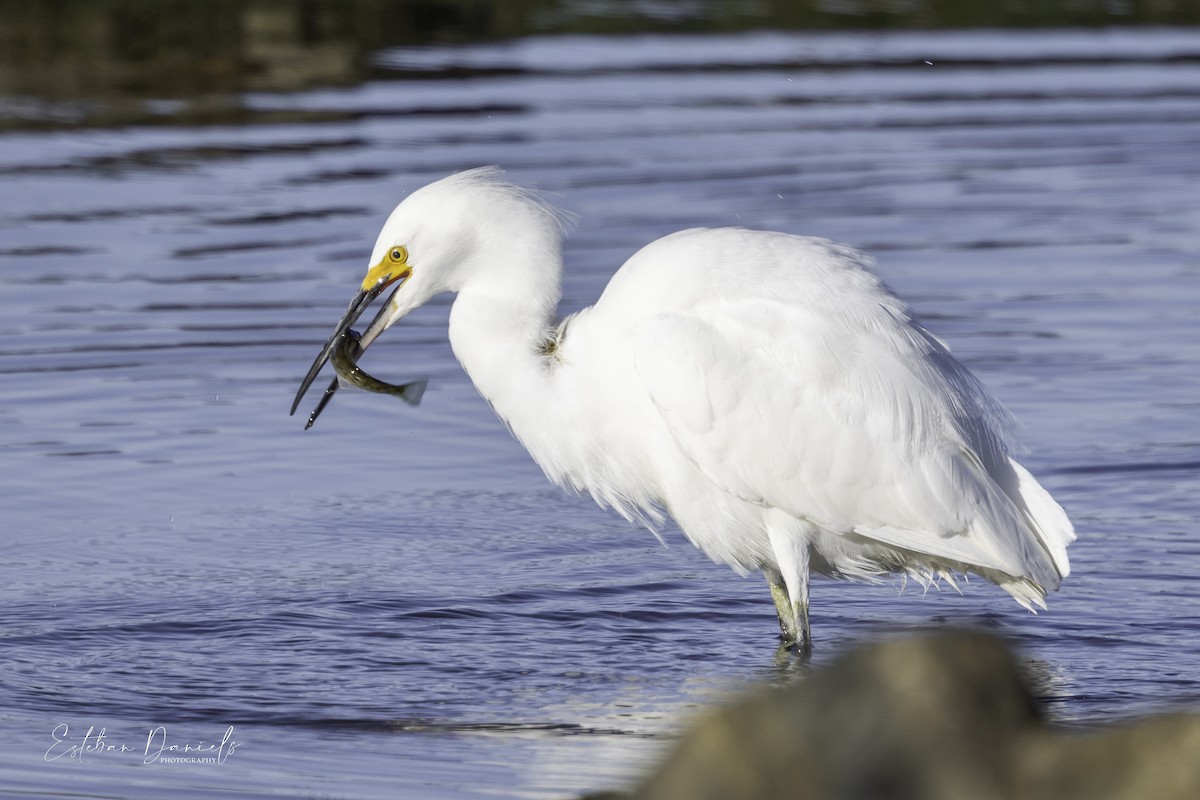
x=413 y=392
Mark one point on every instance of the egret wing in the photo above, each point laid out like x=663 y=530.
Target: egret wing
x=867 y=430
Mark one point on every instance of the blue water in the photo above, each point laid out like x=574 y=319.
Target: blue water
x=396 y=603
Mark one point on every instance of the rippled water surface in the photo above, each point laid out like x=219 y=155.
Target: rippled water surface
x=396 y=603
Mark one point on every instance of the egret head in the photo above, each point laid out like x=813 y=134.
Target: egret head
x=442 y=235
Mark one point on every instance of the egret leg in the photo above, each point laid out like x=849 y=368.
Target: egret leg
x=788 y=580
x=793 y=614
x=783 y=607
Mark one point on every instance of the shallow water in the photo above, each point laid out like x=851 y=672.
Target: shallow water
x=396 y=603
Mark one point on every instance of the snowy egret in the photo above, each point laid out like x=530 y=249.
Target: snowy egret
x=765 y=390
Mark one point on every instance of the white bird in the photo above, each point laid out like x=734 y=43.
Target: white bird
x=763 y=389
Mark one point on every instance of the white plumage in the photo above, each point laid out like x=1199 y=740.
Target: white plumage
x=765 y=390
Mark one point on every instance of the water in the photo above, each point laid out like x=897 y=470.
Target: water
x=396 y=603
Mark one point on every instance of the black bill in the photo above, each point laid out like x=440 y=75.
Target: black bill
x=355 y=310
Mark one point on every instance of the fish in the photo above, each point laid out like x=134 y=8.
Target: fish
x=344 y=358
x=345 y=363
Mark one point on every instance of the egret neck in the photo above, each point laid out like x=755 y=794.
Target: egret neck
x=499 y=324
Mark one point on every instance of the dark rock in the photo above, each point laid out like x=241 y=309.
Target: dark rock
x=941 y=717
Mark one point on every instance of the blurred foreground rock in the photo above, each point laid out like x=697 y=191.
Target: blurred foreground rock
x=938 y=717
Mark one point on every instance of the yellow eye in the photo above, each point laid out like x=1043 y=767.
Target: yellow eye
x=399 y=255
